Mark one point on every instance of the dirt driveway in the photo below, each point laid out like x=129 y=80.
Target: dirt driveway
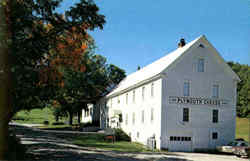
x=55 y=146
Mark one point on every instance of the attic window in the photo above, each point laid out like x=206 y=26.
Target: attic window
x=201 y=46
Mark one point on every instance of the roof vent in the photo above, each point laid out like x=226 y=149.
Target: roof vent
x=201 y=46
x=181 y=43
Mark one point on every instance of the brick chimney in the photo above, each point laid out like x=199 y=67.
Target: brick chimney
x=181 y=43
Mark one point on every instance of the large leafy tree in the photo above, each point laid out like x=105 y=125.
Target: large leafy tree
x=31 y=34
x=81 y=88
x=243 y=89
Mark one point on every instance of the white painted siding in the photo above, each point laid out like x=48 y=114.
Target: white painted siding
x=200 y=126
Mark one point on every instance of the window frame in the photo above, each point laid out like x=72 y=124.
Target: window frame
x=152 y=89
x=185 y=116
x=133 y=96
x=143 y=92
x=186 y=88
x=126 y=119
x=133 y=118
x=215 y=90
x=215 y=115
x=126 y=98
x=215 y=134
x=152 y=115
x=201 y=65
x=142 y=116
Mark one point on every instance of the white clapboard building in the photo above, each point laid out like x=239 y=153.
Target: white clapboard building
x=186 y=100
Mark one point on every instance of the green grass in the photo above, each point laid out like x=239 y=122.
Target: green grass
x=36 y=116
x=97 y=141
x=242 y=128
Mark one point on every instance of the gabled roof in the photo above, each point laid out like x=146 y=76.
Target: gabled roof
x=154 y=69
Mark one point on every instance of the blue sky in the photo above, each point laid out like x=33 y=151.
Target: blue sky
x=139 y=32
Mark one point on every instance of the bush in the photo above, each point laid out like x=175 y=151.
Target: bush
x=120 y=135
x=46 y=122
x=58 y=123
x=16 y=150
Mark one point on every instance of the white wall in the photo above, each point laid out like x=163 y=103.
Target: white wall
x=148 y=128
x=200 y=125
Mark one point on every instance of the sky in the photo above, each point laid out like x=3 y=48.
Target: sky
x=138 y=32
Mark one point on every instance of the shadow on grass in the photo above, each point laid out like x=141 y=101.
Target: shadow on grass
x=42 y=152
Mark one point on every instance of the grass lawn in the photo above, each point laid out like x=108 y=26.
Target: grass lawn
x=38 y=116
x=242 y=128
x=97 y=141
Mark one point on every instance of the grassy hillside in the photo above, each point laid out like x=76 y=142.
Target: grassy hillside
x=242 y=128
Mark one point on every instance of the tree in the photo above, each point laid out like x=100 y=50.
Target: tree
x=33 y=28
x=81 y=88
x=243 y=88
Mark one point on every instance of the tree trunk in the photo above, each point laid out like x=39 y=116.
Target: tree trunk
x=79 y=116
x=5 y=81
x=70 y=117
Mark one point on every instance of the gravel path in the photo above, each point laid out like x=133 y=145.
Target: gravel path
x=45 y=145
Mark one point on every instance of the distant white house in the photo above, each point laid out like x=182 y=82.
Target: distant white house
x=186 y=99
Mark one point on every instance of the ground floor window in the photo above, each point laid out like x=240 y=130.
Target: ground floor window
x=180 y=138
x=215 y=135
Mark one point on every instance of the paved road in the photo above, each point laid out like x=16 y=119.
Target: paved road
x=56 y=146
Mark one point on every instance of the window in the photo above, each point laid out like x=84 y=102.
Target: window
x=126 y=98
x=152 y=114
x=143 y=92
x=134 y=96
x=152 y=90
x=180 y=138
x=133 y=118
x=185 y=114
x=142 y=116
x=118 y=99
x=214 y=135
x=201 y=65
x=186 y=89
x=215 y=116
x=120 y=118
x=215 y=93
x=126 y=119
x=138 y=134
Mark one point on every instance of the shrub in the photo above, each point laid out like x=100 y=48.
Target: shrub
x=46 y=122
x=120 y=135
x=58 y=123
x=16 y=150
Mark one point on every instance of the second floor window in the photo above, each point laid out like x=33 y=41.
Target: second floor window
x=143 y=93
x=215 y=91
x=134 y=96
x=201 y=65
x=186 y=89
x=152 y=90
x=126 y=98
